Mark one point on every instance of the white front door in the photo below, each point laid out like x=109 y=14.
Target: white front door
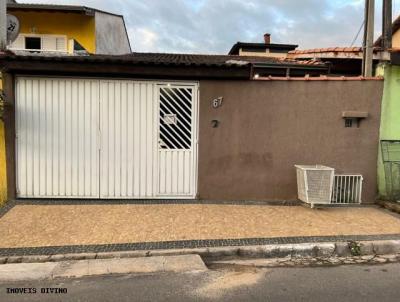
x=177 y=140
x=89 y=138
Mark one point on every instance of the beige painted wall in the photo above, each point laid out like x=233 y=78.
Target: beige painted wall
x=262 y=54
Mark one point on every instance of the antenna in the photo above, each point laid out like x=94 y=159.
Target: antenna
x=12 y=28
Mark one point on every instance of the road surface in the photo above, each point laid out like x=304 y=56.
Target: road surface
x=354 y=283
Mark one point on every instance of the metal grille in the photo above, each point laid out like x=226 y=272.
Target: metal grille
x=175 y=118
x=391 y=162
x=318 y=185
x=347 y=189
x=177 y=145
x=314 y=183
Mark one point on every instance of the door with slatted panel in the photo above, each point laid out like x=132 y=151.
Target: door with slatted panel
x=177 y=140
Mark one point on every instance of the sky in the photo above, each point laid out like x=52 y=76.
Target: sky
x=213 y=26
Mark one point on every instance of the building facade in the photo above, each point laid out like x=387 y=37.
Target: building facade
x=266 y=49
x=179 y=126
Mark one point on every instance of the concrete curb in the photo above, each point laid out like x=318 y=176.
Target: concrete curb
x=322 y=250
x=390 y=205
x=96 y=267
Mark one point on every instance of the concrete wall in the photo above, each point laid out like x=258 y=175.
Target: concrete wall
x=390 y=120
x=111 y=36
x=266 y=127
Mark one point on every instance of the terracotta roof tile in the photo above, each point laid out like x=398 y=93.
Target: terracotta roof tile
x=330 y=49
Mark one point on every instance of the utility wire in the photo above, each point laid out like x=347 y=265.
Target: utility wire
x=358 y=33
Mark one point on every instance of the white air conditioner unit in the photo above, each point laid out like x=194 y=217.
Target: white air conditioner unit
x=315 y=184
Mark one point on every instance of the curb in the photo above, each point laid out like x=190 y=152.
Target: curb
x=98 y=267
x=322 y=250
x=390 y=205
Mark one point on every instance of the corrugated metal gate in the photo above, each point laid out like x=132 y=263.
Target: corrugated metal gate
x=88 y=138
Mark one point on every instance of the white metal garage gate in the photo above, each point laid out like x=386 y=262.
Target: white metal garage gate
x=90 y=138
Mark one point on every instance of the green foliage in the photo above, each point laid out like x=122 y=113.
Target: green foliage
x=355 y=248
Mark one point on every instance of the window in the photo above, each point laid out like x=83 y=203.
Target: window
x=350 y=122
x=40 y=43
x=33 y=43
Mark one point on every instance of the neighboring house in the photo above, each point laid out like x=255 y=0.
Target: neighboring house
x=343 y=61
x=68 y=29
x=63 y=29
x=184 y=126
x=395 y=35
x=266 y=49
x=389 y=147
x=260 y=54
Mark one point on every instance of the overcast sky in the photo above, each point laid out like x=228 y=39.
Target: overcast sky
x=213 y=26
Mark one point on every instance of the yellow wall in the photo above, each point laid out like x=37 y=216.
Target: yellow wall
x=75 y=26
x=396 y=39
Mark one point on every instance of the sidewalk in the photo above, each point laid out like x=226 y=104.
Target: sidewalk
x=26 y=226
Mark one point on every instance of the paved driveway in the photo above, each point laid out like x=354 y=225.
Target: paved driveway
x=55 y=225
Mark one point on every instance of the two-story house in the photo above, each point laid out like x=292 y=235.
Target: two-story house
x=63 y=29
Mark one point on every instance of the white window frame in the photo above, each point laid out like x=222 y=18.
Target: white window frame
x=41 y=36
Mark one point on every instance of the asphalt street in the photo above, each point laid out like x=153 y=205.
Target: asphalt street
x=353 y=283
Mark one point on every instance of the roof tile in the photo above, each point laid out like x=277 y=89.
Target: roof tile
x=168 y=59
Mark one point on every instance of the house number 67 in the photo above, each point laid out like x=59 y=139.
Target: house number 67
x=217 y=102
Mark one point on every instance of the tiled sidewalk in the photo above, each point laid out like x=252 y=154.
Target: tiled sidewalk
x=104 y=224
